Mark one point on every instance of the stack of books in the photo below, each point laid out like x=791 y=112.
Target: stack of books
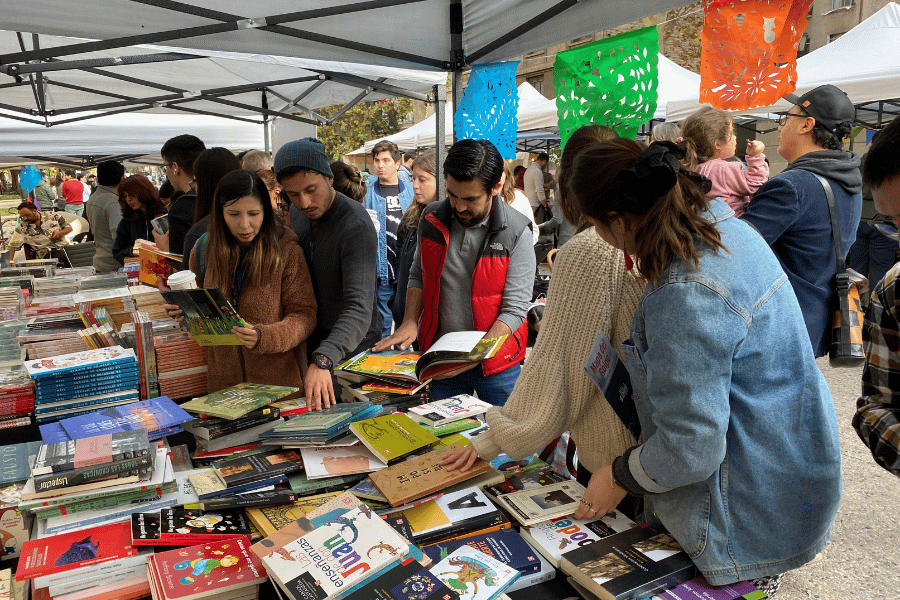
x=116 y=302
x=216 y=433
x=16 y=398
x=82 y=382
x=245 y=473
x=105 y=281
x=44 y=343
x=450 y=410
x=11 y=354
x=12 y=302
x=148 y=299
x=186 y=527
x=180 y=365
x=319 y=428
x=146 y=354
x=25 y=283
x=46 y=287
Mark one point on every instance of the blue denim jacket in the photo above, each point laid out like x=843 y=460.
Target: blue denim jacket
x=374 y=200
x=740 y=449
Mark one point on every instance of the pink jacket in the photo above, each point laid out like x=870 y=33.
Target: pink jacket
x=734 y=184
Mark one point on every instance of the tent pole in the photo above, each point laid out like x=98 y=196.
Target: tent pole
x=440 y=103
x=457 y=54
x=265 y=104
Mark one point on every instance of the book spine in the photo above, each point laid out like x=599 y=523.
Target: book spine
x=125 y=468
x=70 y=587
x=113 y=516
x=90 y=368
x=125 y=560
x=261 y=499
x=42 y=410
x=96 y=504
x=249 y=487
x=188 y=539
x=282 y=469
x=150 y=358
x=10 y=423
x=139 y=350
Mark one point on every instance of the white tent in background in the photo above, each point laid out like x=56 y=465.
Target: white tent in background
x=864 y=62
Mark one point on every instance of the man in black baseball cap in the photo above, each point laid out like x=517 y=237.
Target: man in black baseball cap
x=791 y=209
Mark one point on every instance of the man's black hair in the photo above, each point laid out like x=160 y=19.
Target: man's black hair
x=110 y=173
x=26 y=204
x=166 y=189
x=70 y=172
x=471 y=160
x=831 y=140
x=184 y=150
x=544 y=157
x=883 y=159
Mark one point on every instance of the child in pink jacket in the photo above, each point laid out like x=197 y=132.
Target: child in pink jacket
x=710 y=140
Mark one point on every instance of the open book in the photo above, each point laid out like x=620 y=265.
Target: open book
x=208 y=315
x=451 y=351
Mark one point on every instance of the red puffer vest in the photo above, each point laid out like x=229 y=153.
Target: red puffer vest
x=488 y=281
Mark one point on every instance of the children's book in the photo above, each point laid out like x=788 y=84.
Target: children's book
x=66 y=551
x=213 y=570
x=505 y=545
x=237 y=400
x=157 y=265
x=402 y=582
x=700 y=589
x=552 y=538
x=391 y=437
x=183 y=526
x=333 y=461
x=442 y=412
x=546 y=502
x=635 y=563
x=421 y=476
x=208 y=315
x=474 y=575
x=238 y=471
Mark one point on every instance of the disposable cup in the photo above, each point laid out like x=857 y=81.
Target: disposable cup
x=182 y=280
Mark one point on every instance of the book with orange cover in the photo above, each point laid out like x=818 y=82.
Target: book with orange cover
x=422 y=475
x=156 y=264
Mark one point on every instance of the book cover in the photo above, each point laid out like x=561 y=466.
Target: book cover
x=421 y=475
x=454 y=427
x=302 y=485
x=389 y=365
x=215 y=427
x=546 y=502
x=77 y=363
x=334 y=461
x=442 y=412
x=205 y=570
x=635 y=563
x=208 y=315
x=392 y=387
x=290 y=408
x=15 y=526
x=179 y=525
x=552 y=538
x=209 y=485
x=474 y=575
x=526 y=481
x=237 y=400
x=406 y=581
x=336 y=556
x=16 y=461
x=611 y=377
x=316 y=421
x=547 y=572
x=391 y=437
x=90 y=451
x=269 y=498
x=145 y=529
x=700 y=589
x=270 y=519
x=237 y=471
x=506 y=545
x=156 y=265
x=154 y=414
x=467 y=508
x=67 y=551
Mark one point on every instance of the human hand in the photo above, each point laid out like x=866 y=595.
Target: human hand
x=318 y=387
x=461 y=458
x=455 y=372
x=403 y=336
x=247 y=335
x=174 y=311
x=601 y=497
x=57 y=234
x=755 y=147
x=162 y=240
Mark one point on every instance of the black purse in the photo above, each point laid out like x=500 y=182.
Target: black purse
x=846 y=347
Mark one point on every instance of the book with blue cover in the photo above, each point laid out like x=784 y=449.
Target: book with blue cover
x=78 y=362
x=505 y=545
x=156 y=415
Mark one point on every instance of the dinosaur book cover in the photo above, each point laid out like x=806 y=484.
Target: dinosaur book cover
x=474 y=575
x=67 y=551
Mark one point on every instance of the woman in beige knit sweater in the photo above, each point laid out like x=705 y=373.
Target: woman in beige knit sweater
x=590 y=291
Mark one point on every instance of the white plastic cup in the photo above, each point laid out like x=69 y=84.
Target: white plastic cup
x=182 y=280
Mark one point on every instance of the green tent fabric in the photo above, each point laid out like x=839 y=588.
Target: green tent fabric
x=609 y=82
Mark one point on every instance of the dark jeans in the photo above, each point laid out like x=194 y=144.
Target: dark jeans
x=494 y=389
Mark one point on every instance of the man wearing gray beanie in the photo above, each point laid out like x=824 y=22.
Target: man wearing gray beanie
x=341 y=247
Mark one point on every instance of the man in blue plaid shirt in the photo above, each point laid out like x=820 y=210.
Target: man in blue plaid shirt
x=877 y=418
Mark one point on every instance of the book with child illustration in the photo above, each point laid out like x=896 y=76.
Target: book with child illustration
x=208 y=315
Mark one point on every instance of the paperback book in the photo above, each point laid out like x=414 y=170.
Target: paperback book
x=270 y=519
x=16 y=461
x=700 y=589
x=474 y=575
x=91 y=451
x=237 y=400
x=443 y=412
x=468 y=509
x=157 y=265
x=407 y=580
x=506 y=546
x=529 y=480
x=155 y=415
x=207 y=484
x=75 y=549
x=183 y=526
x=208 y=315
x=79 y=364
x=547 y=502
x=334 y=461
x=391 y=437
x=552 y=538
x=245 y=469
x=216 y=427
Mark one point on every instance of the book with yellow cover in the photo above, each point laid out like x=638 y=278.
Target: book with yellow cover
x=156 y=264
x=269 y=519
x=391 y=437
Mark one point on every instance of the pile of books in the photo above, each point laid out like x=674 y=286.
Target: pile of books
x=149 y=300
x=217 y=433
x=16 y=398
x=82 y=382
x=180 y=365
x=116 y=302
x=12 y=302
x=43 y=343
x=47 y=287
x=105 y=281
x=319 y=428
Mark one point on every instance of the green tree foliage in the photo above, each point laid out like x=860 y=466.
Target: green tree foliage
x=365 y=121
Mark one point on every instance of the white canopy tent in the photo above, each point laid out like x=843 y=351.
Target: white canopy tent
x=864 y=62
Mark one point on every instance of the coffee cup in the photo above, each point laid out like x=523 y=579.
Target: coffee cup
x=182 y=280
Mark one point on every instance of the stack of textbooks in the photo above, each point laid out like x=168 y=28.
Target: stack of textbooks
x=319 y=428
x=83 y=382
x=216 y=433
x=180 y=365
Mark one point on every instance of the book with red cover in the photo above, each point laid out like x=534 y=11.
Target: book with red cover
x=66 y=551
x=205 y=570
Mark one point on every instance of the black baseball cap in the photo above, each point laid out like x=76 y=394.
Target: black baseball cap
x=828 y=105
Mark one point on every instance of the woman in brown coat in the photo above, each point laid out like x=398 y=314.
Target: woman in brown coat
x=257 y=263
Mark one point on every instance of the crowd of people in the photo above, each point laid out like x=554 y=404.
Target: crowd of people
x=711 y=282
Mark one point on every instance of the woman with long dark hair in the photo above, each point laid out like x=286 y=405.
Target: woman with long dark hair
x=256 y=262
x=140 y=204
x=739 y=458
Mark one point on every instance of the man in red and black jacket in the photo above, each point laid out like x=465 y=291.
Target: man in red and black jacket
x=473 y=271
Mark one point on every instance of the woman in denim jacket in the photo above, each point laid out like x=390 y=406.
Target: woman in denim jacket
x=740 y=459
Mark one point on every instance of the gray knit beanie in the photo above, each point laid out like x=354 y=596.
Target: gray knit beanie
x=308 y=153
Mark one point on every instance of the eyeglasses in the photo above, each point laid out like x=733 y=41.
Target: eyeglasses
x=782 y=120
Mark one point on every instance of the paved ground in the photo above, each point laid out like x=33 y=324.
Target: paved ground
x=863 y=558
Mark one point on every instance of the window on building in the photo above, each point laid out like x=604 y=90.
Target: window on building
x=833 y=36
x=537 y=82
x=836 y=4
x=803 y=46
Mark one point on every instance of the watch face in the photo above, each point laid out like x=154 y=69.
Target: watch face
x=323 y=362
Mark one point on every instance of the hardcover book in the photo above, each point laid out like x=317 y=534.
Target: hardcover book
x=552 y=538
x=547 y=502
x=237 y=400
x=700 y=589
x=635 y=563
x=66 y=551
x=422 y=475
x=391 y=437
x=442 y=412
x=238 y=471
x=208 y=315
x=474 y=575
x=16 y=461
x=216 y=569
x=505 y=545
x=408 y=580
x=333 y=461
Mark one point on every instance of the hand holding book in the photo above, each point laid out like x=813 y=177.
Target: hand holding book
x=601 y=496
x=461 y=458
x=247 y=335
x=403 y=337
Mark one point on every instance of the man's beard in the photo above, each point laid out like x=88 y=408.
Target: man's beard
x=470 y=219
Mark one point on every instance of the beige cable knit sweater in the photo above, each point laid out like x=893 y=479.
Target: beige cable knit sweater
x=590 y=291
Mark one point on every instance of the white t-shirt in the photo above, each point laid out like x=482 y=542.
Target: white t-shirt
x=521 y=204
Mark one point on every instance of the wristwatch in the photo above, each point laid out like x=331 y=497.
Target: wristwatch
x=323 y=362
